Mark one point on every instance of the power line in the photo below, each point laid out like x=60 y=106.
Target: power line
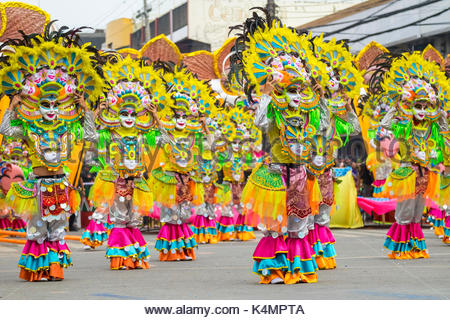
x=364 y=20
x=115 y=10
x=108 y=13
x=402 y=27
x=373 y=17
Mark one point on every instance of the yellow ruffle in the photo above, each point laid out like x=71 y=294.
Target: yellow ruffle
x=198 y=193
x=432 y=194
x=444 y=199
x=315 y=197
x=102 y=192
x=264 y=204
x=23 y=207
x=223 y=196
x=74 y=200
x=401 y=189
x=163 y=193
x=143 y=201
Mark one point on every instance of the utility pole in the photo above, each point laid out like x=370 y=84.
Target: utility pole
x=271 y=7
x=147 y=27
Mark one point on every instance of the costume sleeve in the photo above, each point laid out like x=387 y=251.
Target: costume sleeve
x=324 y=123
x=90 y=132
x=7 y=129
x=261 y=119
x=443 y=128
x=209 y=141
x=354 y=121
x=388 y=119
x=163 y=138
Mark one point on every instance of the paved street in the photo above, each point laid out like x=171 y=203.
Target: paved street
x=223 y=271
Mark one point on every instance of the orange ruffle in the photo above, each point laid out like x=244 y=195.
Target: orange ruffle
x=245 y=236
x=91 y=244
x=205 y=238
x=55 y=272
x=325 y=263
x=177 y=256
x=273 y=275
x=439 y=231
x=118 y=263
x=297 y=277
x=409 y=255
x=226 y=236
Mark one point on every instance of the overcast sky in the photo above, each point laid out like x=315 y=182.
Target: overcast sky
x=91 y=13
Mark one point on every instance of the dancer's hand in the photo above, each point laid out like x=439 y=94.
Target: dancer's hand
x=15 y=101
x=349 y=105
x=153 y=110
x=79 y=99
x=318 y=88
x=268 y=87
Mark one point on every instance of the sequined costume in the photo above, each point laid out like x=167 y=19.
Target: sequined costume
x=181 y=141
x=235 y=159
x=344 y=84
x=204 y=222
x=125 y=133
x=279 y=196
x=420 y=92
x=53 y=76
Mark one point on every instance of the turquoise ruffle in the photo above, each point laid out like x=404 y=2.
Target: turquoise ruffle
x=130 y=251
x=43 y=262
x=405 y=246
x=303 y=266
x=178 y=244
x=225 y=229
x=100 y=237
x=243 y=228
x=263 y=266
x=209 y=230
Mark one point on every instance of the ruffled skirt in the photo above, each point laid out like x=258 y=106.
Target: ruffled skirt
x=289 y=261
x=406 y=242
x=45 y=260
x=175 y=242
x=95 y=234
x=204 y=229
x=127 y=249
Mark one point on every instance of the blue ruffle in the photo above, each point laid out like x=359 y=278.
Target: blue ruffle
x=447 y=231
x=405 y=246
x=95 y=236
x=243 y=228
x=132 y=250
x=209 y=230
x=162 y=244
x=303 y=266
x=263 y=266
x=43 y=262
x=225 y=229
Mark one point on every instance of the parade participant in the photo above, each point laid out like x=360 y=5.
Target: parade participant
x=345 y=83
x=237 y=132
x=127 y=129
x=183 y=127
x=420 y=92
x=280 y=66
x=204 y=223
x=96 y=231
x=48 y=78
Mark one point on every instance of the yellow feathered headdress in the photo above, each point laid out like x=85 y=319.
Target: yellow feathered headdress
x=135 y=86
x=52 y=64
